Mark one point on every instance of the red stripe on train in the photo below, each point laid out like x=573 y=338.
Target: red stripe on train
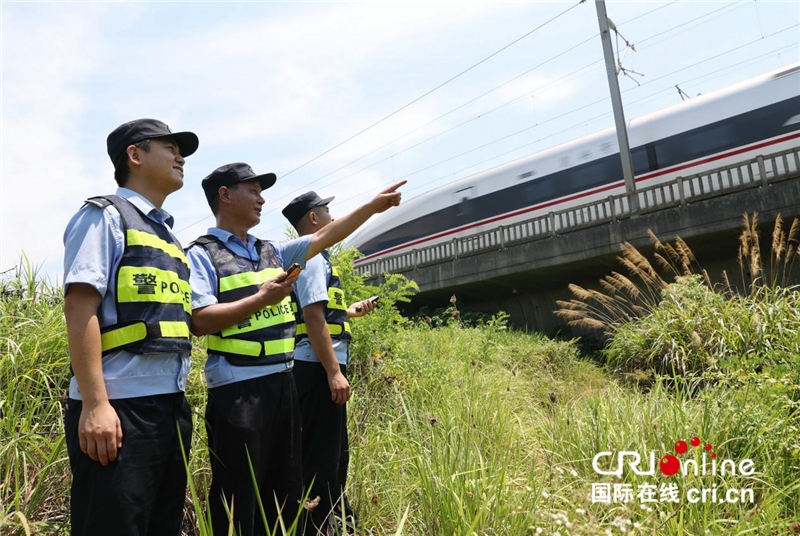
x=584 y=194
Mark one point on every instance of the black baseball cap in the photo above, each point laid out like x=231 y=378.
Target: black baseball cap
x=300 y=205
x=147 y=129
x=232 y=174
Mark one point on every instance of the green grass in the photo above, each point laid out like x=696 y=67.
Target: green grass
x=484 y=432
x=696 y=329
x=454 y=431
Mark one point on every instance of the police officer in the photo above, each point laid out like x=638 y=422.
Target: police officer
x=321 y=358
x=241 y=301
x=127 y=307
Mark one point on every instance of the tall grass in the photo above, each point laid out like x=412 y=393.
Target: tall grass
x=33 y=358
x=496 y=434
x=454 y=430
x=666 y=316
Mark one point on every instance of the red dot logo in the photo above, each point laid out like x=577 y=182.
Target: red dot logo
x=669 y=465
x=695 y=441
x=680 y=447
x=708 y=446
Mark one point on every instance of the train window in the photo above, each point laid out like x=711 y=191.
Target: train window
x=606 y=146
x=708 y=140
x=527 y=174
x=644 y=159
x=540 y=190
x=652 y=158
x=669 y=151
x=591 y=175
x=463 y=200
x=639 y=157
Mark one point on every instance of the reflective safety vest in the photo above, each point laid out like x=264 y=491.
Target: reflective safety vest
x=153 y=296
x=335 y=311
x=267 y=336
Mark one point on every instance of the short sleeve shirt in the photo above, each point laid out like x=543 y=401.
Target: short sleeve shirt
x=94 y=242
x=205 y=291
x=312 y=287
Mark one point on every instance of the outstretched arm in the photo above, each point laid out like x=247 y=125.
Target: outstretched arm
x=341 y=228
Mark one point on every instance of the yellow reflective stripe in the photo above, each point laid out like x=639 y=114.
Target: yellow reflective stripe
x=334 y=271
x=136 y=284
x=234 y=346
x=141 y=238
x=250 y=348
x=333 y=329
x=281 y=346
x=247 y=279
x=174 y=329
x=294 y=307
x=271 y=315
x=336 y=299
x=126 y=335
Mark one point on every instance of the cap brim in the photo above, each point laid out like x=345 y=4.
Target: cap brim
x=187 y=142
x=267 y=180
x=326 y=201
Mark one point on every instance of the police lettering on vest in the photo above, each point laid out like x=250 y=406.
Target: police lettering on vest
x=153 y=296
x=267 y=336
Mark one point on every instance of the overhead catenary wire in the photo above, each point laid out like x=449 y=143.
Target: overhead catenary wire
x=581 y=123
x=416 y=129
x=452 y=78
x=474 y=99
x=417 y=99
x=593 y=103
x=485 y=113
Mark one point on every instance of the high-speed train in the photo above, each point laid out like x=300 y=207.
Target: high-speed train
x=758 y=116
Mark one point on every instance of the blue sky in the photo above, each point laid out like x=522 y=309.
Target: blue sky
x=277 y=84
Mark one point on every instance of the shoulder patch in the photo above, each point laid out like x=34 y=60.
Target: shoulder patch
x=98 y=201
x=201 y=241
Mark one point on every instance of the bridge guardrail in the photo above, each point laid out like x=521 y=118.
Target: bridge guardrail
x=680 y=191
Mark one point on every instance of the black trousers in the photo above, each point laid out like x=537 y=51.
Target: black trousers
x=144 y=490
x=259 y=418
x=325 y=446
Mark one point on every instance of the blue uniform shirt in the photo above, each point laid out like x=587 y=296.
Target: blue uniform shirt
x=94 y=243
x=312 y=287
x=203 y=279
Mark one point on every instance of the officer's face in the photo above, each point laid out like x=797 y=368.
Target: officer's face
x=323 y=216
x=246 y=202
x=163 y=164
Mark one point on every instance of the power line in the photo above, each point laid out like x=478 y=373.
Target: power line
x=479 y=97
x=582 y=122
x=483 y=114
x=538 y=124
x=493 y=54
x=570 y=49
x=306 y=185
x=741 y=3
